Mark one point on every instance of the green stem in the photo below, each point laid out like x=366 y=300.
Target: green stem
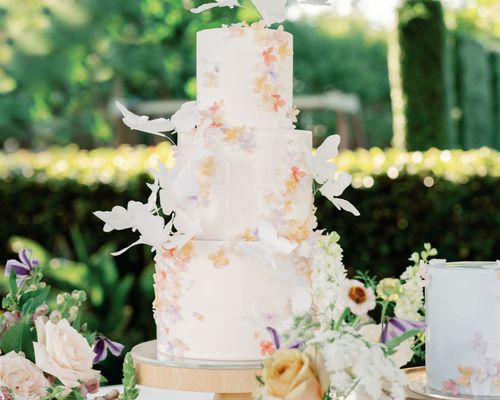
x=339 y=321
x=385 y=305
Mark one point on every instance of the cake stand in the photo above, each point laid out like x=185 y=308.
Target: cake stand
x=229 y=380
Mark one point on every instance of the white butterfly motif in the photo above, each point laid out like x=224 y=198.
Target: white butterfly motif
x=334 y=188
x=136 y=216
x=218 y=3
x=323 y=169
x=143 y=123
x=268 y=245
x=184 y=120
x=271 y=11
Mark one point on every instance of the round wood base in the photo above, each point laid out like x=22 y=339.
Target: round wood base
x=231 y=380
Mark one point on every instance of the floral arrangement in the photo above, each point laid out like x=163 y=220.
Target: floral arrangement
x=340 y=348
x=46 y=350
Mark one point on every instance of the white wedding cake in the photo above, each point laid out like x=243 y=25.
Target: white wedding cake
x=232 y=222
x=216 y=296
x=463 y=329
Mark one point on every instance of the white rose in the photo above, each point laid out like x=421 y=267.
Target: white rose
x=62 y=352
x=21 y=376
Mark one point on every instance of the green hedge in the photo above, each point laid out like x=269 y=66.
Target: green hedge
x=450 y=198
x=421 y=33
x=475 y=89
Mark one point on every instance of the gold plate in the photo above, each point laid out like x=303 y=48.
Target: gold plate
x=417 y=388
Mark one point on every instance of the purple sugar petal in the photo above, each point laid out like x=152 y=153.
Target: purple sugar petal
x=275 y=337
x=18 y=268
x=114 y=347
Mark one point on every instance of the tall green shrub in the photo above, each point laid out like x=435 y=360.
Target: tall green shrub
x=495 y=67
x=422 y=38
x=475 y=93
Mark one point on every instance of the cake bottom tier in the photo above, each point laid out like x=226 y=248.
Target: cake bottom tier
x=214 y=300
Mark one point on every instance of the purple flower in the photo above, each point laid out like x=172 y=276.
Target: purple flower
x=101 y=347
x=22 y=268
x=275 y=337
x=396 y=327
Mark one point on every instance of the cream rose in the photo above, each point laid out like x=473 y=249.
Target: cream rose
x=62 y=352
x=293 y=375
x=21 y=376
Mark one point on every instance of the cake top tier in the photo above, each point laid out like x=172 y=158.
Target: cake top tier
x=469 y=266
x=245 y=73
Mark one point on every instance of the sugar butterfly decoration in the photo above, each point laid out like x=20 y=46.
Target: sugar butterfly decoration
x=183 y=120
x=324 y=173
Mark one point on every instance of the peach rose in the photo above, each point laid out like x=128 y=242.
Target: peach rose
x=21 y=376
x=62 y=352
x=293 y=375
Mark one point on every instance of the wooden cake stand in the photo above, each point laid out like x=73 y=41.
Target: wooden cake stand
x=229 y=380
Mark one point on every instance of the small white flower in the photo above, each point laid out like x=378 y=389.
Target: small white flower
x=355 y=296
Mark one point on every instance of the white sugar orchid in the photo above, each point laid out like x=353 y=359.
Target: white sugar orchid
x=324 y=173
x=184 y=120
x=218 y=3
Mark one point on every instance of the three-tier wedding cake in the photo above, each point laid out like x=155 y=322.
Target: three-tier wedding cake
x=234 y=256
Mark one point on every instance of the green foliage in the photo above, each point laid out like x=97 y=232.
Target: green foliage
x=59 y=73
x=495 y=66
x=422 y=47
x=475 y=93
x=130 y=392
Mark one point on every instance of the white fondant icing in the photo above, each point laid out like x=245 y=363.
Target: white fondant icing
x=463 y=328
x=214 y=301
x=230 y=62
x=241 y=188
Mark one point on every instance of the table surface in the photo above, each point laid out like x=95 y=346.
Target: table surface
x=156 y=394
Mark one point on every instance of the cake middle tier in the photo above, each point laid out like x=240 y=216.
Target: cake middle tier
x=248 y=176
x=247 y=73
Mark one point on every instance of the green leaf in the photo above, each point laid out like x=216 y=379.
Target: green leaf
x=18 y=338
x=130 y=391
x=13 y=284
x=392 y=344
x=30 y=301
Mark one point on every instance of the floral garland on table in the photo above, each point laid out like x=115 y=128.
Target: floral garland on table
x=339 y=349
x=47 y=353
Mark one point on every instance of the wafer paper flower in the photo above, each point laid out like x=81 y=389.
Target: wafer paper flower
x=101 y=347
x=271 y=11
x=218 y=3
x=22 y=268
x=396 y=327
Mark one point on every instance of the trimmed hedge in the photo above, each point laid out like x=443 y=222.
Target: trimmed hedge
x=475 y=93
x=450 y=198
x=422 y=36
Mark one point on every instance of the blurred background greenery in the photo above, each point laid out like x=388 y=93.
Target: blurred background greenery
x=427 y=80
